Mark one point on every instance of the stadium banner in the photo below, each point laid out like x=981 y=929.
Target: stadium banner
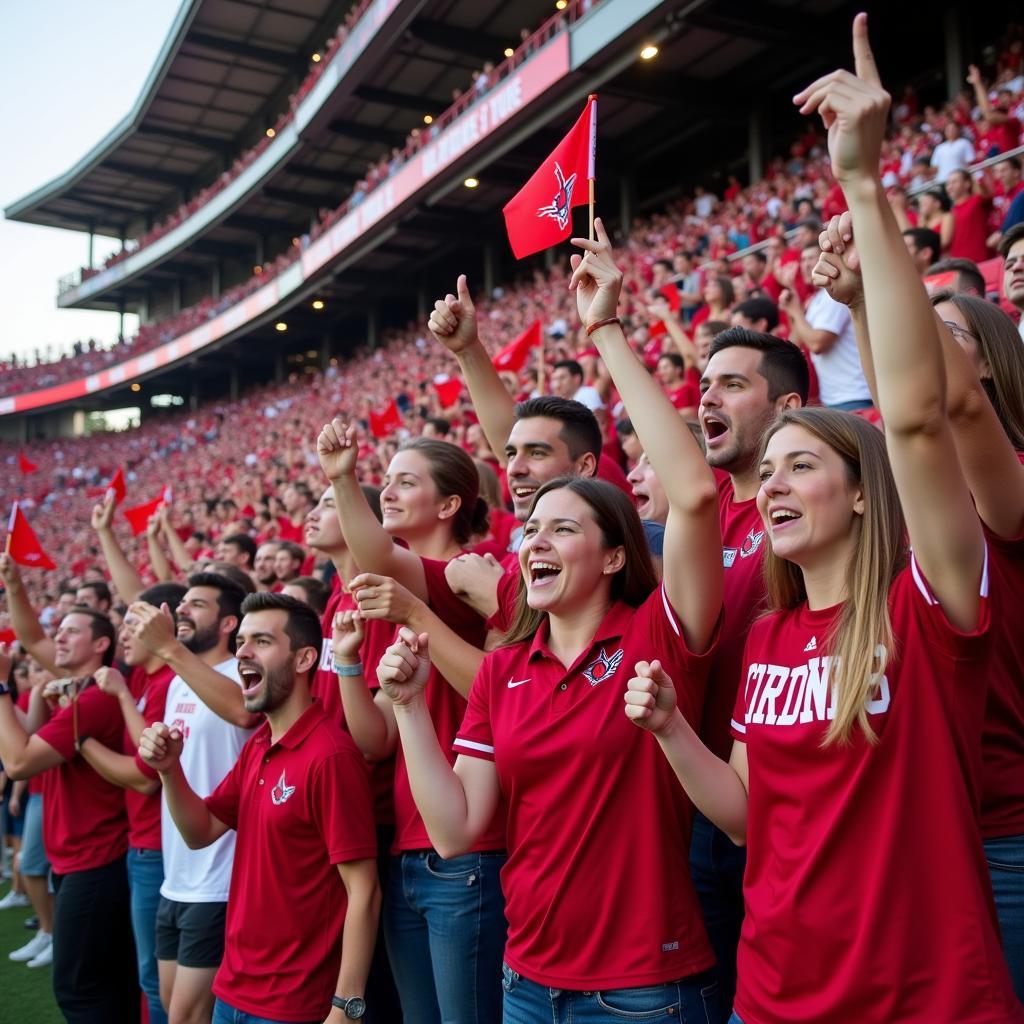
x=468 y=131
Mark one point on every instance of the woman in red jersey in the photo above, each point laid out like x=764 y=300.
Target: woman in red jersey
x=604 y=924
x=854 y=778
x=443 y=919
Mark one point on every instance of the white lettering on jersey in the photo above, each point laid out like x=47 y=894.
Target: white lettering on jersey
x=729 y=556
x=778 y=695
x=327 y=655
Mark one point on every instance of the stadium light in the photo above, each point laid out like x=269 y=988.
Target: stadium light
x=136 y=387
x=271 y=133
x=428 y=119
x=508 y=51
x=471 y=182
x=649 y=52
x=315 y=58
x=560 y=5
x=280 y=326
x=318 y=303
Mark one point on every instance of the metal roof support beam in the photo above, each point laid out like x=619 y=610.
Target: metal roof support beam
x=166 y=177
x=287 y=195
x=458 y=40
x=367 y=132
x=276 y=58
x=197 y=139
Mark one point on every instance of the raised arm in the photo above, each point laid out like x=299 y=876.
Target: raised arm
x=453 y=322
x=370 y=544
x=370 y=720
x=179 y=553
x=977 y=83
x=910 y=377
x=693 y=540
x=123 y=574
x=456 y=804
x=158 y=561
x=120 y=769
x=24 y=621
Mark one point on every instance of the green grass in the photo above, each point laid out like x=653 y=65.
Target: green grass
x=25 y=995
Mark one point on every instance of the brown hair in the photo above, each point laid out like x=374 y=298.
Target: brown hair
x=862 y=641
x=617 y=518
x=455 y=475
x=490 y=487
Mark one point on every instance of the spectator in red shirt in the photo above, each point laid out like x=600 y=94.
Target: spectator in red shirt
x=288 y=562
x=970 y=217
x=1004 y=128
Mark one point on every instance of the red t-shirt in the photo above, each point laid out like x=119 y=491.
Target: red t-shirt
x=301 y=806
x=84 y=820
x=743 y=594
x=446 y=710
x=1006 y=135
x=596 y=886
x=970 y=229
x=867 y=893
x=687 y=394
x=611 y=472
x=287 y=530
x=150 y=693
x=1002 y=740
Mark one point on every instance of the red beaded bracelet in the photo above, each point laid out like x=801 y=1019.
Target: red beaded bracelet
x=602 y=323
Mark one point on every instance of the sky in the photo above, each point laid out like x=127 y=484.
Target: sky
x=69 y=71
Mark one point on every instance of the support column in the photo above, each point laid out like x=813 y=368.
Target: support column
x=422 y=309
x=627 y=195
x=233 y=383
x=326 y=350
x=279 y=368
x=215 y=279
x=261 y=250
x=92 y=240
x=488 y=269
x=120 y=320
x=954 y=52
x=193 y=398
x=371 y=326
x=755 y=143
x=176 y=297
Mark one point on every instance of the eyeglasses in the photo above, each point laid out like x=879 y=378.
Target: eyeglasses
x=959 y=332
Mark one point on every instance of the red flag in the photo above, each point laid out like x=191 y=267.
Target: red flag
x=448 y=389
x=514 y=355
x=26 y=465
x=385 y=421
x=117 y=486
x=23 y=545
x=670 y=293
x=539 y=215
x=7 y=636
x=139 y=515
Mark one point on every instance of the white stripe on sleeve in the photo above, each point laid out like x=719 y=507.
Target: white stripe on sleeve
x=472 y=745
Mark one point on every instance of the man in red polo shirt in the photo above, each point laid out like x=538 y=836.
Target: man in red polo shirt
x=85 y=828
x=305 y=872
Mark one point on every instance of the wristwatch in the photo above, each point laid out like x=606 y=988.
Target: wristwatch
x=354 y=1007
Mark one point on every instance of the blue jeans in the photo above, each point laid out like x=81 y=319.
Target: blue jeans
x=735 y=1020
x=145 y=876
x=1005 y=857
x=444 y=925
x=687 y=1001
x=224 y=1014
x=716 y=867
x=853 y=405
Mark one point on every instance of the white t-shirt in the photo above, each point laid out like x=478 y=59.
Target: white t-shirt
x=840 y=377
x=590 y=397
x=951 y=156
x=210 y=751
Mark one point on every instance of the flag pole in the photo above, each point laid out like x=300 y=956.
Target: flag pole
x=10 y=527
x=592 y=160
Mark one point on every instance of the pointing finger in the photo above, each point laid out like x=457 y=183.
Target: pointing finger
x=863 y=59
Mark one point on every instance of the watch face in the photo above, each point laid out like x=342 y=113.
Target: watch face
x=355 y=1008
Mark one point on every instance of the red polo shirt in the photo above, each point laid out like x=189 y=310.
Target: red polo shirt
x=84 y=820
x=597 y=890
x=301 y=806
x=150 y=693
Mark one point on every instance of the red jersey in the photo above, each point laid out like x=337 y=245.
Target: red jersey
x=970 y=229
x=687 y=394
x=866 y=889
x=1002 y=740
x=143 y=809
x=596 y=887
x=287 y=530
x=446 y=710
x=301 y=806
x=743 y=595
x=84 y=820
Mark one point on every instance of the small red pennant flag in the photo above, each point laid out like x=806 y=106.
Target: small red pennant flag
x=139 y=515
x=539 y=215
x=26 y=465
x=514 y=355
x=387 y=420
x=448 y=389
x=117 y=486
x=23 y=545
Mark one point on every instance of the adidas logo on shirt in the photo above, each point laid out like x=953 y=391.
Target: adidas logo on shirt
x=812 y=644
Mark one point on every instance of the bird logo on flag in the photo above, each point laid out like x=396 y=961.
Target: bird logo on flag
x=281 y=792
x=602 y=667
x=559 y=207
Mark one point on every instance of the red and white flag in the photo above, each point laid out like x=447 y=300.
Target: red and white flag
x=448 y=389
x=26 y=465
x=23 y=544
x=514 y=355
x=384 y=422
x=539 y=215
x=139 y=515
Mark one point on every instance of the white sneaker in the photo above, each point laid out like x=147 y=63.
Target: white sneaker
x=40 y=941
x=45 y=956
x=14 y=899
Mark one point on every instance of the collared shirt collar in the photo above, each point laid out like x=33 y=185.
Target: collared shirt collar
x=613 y=625
x=301 y=728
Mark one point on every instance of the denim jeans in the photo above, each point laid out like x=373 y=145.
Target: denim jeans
x=444 y=924
x=224 y=1014
x=145 y=876
x=735 y=1020
x=716 y=867
x=1005 y=857
x=687 y=1001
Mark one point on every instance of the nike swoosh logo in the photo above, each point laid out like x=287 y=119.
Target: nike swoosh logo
x=513 y=685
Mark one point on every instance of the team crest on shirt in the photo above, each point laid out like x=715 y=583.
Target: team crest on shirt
x=281 y=792
x=751 y=543
x=602 y=667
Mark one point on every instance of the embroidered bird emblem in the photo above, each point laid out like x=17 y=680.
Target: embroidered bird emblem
x=281 y=792
x=602 y=667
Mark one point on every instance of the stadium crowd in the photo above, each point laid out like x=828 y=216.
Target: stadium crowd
x=668 y=672
x=925 y=146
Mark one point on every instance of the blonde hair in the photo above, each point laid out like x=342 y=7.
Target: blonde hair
x=861 y=642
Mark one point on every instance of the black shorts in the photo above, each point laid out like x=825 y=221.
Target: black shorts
x=190 y=933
